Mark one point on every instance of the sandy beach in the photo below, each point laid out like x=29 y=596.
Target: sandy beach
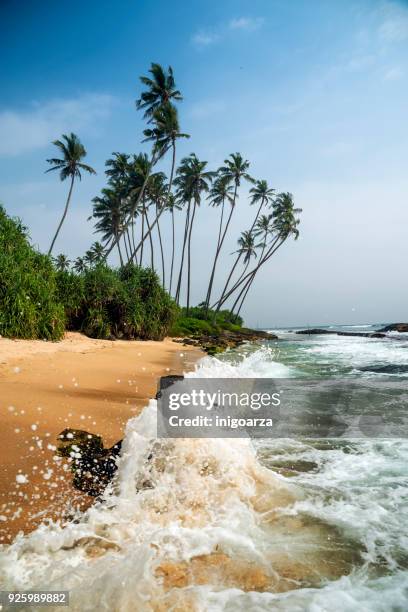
x=96 y=385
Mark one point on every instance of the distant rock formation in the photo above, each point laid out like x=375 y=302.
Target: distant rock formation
x=316 y=331
x=399 y=327
x=224 y=339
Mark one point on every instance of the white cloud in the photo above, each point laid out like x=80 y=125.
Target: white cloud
x=394 y=74
x=246 y=23
x=394 y=26
x=24 y=131
x=204 y=39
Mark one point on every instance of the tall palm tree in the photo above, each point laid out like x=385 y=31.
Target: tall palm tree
x=236 y=170
x=220 y=193
x=193 y=180
x=161 y=88
x=263 y=195
x=157 y=191
x=264 y=228
x=285 y=224
x=172 y=205
x=69 y=166
x=62 y=263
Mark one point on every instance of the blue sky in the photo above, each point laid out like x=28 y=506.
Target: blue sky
x=313 y=93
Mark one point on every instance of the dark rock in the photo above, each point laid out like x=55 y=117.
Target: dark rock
x=224 y=339
x=399 y=327
x=93 y=465
x=317 y=331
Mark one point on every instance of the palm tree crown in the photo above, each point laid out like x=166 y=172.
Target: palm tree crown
x=236 y=169
x=72 y=151
x=247 y=247
x=221 y=191
x=262 y=193
x=166 y=129
x=161 y=89
x=62 y=263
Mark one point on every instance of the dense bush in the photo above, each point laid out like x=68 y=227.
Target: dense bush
x=200 y=322
x=28 y=304
x=221 y=317
x=127 y=303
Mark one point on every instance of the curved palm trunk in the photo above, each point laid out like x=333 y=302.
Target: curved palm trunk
x=172 y=249
x=64 y=214
x=161 y=247
x=243 y=271
x=268 y=255
x=189 y=257
x=187 y=223
x=217 y=252
x=240 y=254
x=118 y=245
x=133 y=235
x=149 y=227
x=173 y=164
x=142 y=238
x=153 y=160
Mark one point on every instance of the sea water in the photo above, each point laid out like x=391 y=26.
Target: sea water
x=227 y=525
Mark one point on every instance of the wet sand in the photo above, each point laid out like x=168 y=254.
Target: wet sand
x=96 y=385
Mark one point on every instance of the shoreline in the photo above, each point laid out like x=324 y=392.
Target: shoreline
x=81 y=383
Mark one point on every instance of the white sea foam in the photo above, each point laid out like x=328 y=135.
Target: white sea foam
x=202 y=525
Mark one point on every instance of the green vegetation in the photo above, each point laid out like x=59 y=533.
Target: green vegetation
x=127 y=303
x=28 y=289
x=38 y=299
x=199 y=321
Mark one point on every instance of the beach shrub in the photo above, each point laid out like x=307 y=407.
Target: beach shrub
x=29 y=307
x=201 y=322
x=70 y=292
x=128 y=303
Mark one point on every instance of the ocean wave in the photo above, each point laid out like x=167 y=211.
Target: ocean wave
x=203 y=524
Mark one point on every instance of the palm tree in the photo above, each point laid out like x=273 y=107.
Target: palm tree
x=157 y=191
x=285 y=224
x=264 y=229
x=108 y=210
x=262 y=194
x=62 y=263
x=79 y=265
x=172 y=205
x=221 y=192
x=161 y=88
x=69 y=166
x=235 y=170
x=158 y=108
x=192 y=181
x=98 y=252
x=117 y=168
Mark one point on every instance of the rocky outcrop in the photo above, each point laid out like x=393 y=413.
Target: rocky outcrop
x=224 y=339
x=317 y=331
x=399 y=327
x=92 y=465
